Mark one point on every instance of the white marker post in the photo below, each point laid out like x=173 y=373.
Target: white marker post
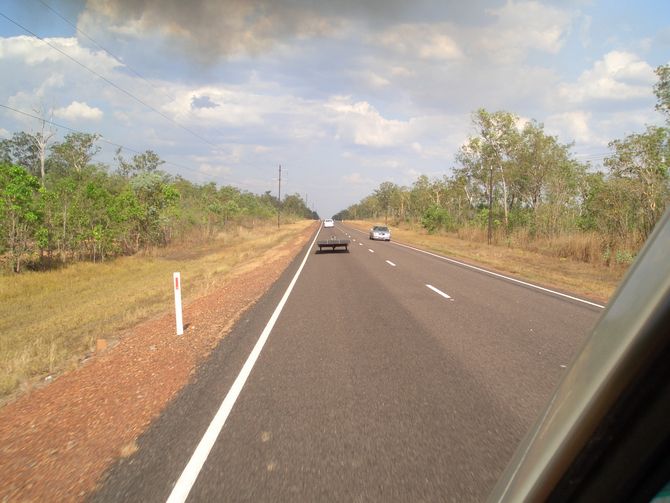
x=176 y=279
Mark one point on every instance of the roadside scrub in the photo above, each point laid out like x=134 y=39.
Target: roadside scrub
x=49 y=321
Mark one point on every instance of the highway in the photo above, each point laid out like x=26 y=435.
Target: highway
x=389 y=375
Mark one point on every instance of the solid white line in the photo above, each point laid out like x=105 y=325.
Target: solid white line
x=190 y=474
x=504 y=277
x=390 y=263
x=439 y=292
x=531 y=285
x=371 y=250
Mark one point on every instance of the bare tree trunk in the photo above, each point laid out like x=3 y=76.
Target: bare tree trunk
x=505 y=201
x=41 y=141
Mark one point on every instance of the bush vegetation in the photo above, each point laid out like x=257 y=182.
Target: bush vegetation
x=57 y=206
x=522 y=187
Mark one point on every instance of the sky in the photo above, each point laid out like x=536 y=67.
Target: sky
x=344 y=95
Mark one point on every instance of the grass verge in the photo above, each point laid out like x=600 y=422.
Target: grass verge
x=590 y=280
x=50 y=320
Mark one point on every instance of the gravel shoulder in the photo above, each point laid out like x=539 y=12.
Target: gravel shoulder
x=57 y=441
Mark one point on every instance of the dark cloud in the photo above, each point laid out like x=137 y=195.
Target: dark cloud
x=203 y=102
x=214 y=29
x=210 y=29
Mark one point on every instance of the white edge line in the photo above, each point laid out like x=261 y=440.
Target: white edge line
x=531 y=285
x=188 y=477
x=439 y=292
x=390 y=263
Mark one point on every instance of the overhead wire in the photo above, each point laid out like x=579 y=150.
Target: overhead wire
x=114 y=144
x=116 y=86
x=110 y=82
x=110 y=53
x=114 y=56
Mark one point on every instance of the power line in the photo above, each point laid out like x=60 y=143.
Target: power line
x=111 y=83
x=118 y=145
x=97 y=44
x=593 y=155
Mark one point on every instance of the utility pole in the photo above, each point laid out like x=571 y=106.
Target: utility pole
x=279 y=200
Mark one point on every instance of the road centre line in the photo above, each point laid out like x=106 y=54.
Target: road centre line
x=183 y=486
x=390 y=263
x=497 y=275
x=371 y=250
x=439 y=292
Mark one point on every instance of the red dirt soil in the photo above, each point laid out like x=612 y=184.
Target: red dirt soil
x=57 y=441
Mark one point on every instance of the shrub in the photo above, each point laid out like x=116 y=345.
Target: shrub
x=436 y=218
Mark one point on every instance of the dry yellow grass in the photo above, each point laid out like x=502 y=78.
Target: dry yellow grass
x=50 y=320
x=592 y=280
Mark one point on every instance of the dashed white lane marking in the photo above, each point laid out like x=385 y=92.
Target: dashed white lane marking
x=439 y=292
x=360 y=244
x=390 y=263
x=371 y=250
x=491 y=273
x=190 y=474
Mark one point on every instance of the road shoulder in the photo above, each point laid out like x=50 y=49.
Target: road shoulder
x=58 y=440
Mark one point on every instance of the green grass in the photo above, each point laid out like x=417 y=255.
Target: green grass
x=50 y=320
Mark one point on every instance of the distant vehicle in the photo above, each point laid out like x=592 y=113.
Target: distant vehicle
x=380 y=232
x=328 y=222
x=605 y=434
x=333 y=244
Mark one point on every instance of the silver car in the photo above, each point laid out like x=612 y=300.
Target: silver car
x=380 y=232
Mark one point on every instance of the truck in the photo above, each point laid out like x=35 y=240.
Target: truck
x=333 y=243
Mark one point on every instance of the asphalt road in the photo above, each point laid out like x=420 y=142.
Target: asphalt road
x=390 y=375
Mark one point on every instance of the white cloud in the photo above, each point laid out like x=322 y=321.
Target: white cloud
x=54 y=81
x=235 y=106
x=401 y=71
x=34 y=52
x=619 y=76
x=79 y=110
x=522 y=26
x=213 y=169
x=571 y=126
x=376 y=81
x=356 y=179
x=122 y=117
x=421 y=40
x=4 y=133
x=361 y=123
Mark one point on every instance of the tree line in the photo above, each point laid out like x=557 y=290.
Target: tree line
x=513 y=177
x=57 y=205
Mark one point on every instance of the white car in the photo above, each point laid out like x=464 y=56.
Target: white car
x=328 y=222
x=380 y=232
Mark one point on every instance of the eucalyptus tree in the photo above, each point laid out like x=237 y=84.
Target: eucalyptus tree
x=644 y=160
x=662 y=90
x=385 y=194
x=21 y=150
x=19 y=213
x=76 y=151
